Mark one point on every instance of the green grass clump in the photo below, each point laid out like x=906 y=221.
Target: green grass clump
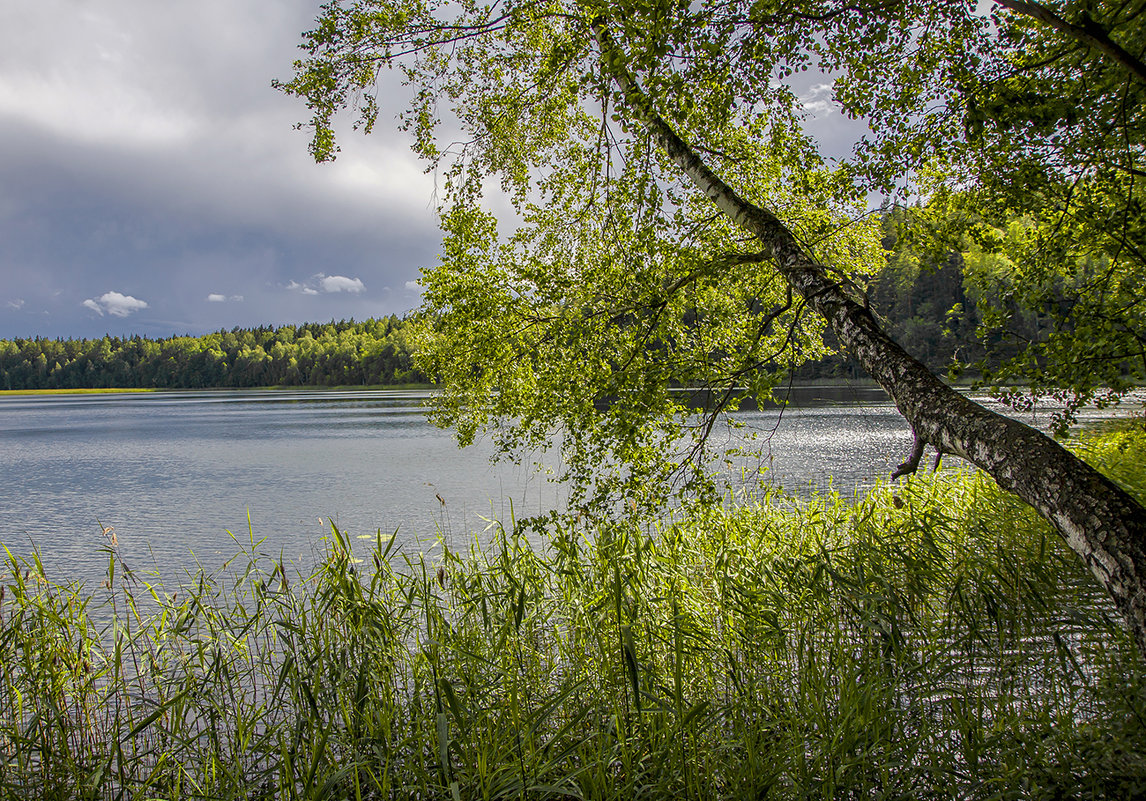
x=932 y=640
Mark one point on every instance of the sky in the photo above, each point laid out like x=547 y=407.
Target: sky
x=152 y=182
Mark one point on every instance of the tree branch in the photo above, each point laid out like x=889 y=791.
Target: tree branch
x=918 y=443
x=1089 y=33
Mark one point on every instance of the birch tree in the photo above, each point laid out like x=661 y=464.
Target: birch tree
x=630 y=204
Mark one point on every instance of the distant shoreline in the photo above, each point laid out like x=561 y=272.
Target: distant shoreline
x=283 y=387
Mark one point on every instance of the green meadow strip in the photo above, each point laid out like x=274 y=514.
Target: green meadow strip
x=929 y=640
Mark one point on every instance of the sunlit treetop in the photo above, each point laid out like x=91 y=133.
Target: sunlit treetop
x=583 y=279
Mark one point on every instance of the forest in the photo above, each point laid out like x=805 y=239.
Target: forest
x=340 y=353
x=929 y=303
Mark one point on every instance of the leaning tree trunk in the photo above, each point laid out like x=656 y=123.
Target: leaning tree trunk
x=1101 y=522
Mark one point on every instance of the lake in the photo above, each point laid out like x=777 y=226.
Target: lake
x=173 y=472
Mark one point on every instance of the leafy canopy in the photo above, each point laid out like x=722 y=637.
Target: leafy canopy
x=582 y=281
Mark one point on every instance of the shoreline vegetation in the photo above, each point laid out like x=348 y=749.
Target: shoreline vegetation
x=932 y=639
x=374 y=354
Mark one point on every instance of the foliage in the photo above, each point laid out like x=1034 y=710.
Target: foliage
x=1030 y=157
x=923 y=300
x=1053 y=310
x=605 y=286
x=937 y=641
x=597 y=280
x=321 y=354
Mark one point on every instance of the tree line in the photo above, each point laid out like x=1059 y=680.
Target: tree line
x=932 y=301
x=375 y=351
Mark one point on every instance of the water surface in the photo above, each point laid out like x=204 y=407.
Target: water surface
x=173 y=472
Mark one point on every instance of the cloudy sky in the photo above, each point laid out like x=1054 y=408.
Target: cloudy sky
x=151 y=181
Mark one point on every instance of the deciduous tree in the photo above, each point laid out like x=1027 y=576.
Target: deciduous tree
x=666 y=222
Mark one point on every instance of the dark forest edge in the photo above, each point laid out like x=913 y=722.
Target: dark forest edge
x=345 y=353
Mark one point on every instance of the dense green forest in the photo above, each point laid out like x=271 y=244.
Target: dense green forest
x=924 y=301
x=316 y=354
x=928 y=306
x=929 y=293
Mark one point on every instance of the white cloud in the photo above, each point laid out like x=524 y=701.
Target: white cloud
x=115 y=303
x=214 y=297
x=330 y=284
x=818 y=100
x=18 y=303
x=340 y=283
x=413 y=286
x=236 y=298
x=295 y=286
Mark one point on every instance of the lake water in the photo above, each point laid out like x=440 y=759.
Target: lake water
x=173 y=472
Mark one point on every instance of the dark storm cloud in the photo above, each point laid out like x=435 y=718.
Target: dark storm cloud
x=143 y=155
x=151 y=182
x=80 y=221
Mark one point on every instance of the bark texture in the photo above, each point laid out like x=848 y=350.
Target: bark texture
x=1102 y=523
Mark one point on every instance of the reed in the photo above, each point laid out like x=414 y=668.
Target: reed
x=930 y=640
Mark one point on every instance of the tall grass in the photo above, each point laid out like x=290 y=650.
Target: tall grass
x=931 y=640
